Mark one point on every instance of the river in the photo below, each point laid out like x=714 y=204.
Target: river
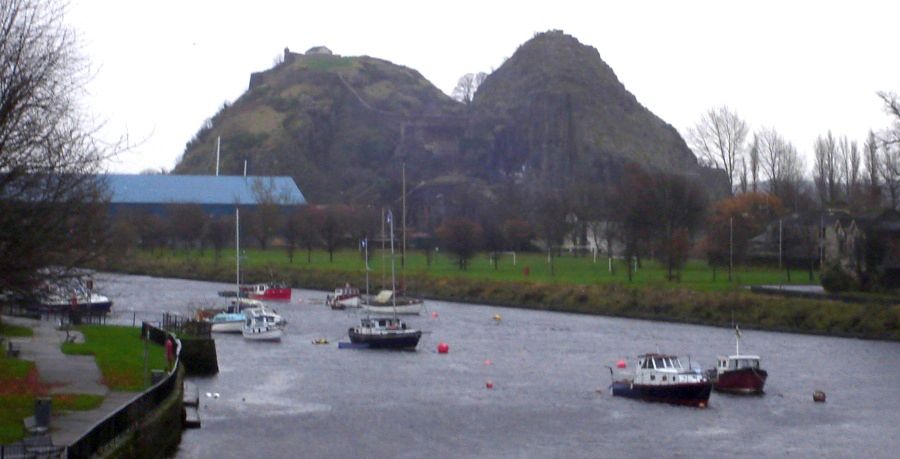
x=549 y=397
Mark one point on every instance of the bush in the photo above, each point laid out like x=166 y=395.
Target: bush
x=835 y=279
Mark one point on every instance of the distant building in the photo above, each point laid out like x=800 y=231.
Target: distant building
x=216 y=195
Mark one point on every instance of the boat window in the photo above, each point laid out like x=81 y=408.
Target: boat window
x=664 y=377
x=657 y=362
x=652 y=377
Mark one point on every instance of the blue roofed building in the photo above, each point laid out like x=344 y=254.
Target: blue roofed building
x=216 y=195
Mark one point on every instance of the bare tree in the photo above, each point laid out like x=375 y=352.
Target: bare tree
x=825 y=172
x=891 y=135
x=51 y=210
x=871 y=161
x=467 y=85
x=889 y=170
x=718 y=138
x=848 y=153
x=782 y=167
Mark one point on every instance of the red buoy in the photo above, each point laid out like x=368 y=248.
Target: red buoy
x=434 y=314
x=487 y=362
x=443 y=348
x=489 y=384
x=620 y=364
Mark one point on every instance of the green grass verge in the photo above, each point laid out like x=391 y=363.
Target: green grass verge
x=119 y=352
x=15 y=331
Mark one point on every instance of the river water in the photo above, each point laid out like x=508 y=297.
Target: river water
x=549 y=396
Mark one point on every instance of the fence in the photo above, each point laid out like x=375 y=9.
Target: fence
x=105 y=433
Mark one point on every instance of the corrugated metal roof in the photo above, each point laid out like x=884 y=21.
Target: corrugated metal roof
x=198 y=189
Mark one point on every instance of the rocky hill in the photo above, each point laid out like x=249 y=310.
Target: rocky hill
x=555 y=109
x=341 y=126
x=338 y=125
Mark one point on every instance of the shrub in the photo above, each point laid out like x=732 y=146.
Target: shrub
x=835 y=279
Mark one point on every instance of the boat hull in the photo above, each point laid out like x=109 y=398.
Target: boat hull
x=227 y=327
x=273 y=294
x=398 y=340
x=343 y=303
x=689 y=394
x=262 y=334
x=743 y=381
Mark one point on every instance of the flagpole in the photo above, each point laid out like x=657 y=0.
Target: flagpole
x=366 y=248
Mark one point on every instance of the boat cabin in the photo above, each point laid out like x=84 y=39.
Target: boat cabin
x=345 y=291
x=383 y=323
x=662 y=369
x=737 y=362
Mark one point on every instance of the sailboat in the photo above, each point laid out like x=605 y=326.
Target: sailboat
x=259 y=322
x=390 y=301
x=385 y=332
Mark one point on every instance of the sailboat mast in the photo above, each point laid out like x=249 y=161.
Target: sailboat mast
x=403 y=217
x=393 y=281
x=382 y=247
x=237 y=254
x=366 y=248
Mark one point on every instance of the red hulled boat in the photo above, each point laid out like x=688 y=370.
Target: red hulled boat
x=271 y=291
x=738 y=373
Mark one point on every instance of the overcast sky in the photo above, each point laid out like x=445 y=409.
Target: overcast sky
x=160 y=68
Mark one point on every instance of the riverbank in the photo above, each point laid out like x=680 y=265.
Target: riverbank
x=664 y=303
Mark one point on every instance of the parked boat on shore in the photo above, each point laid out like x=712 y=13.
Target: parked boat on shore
x=738 y=373
x=73 y=295
x=662 y=378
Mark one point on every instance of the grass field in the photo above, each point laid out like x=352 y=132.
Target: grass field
x=15 y=331
x=567 y=269
x=119 y=352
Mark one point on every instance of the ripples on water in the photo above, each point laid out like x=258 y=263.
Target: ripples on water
x=550 y=397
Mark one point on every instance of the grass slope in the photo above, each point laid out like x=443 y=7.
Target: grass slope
x=119 y=352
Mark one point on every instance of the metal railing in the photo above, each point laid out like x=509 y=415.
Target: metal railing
x=106 y=432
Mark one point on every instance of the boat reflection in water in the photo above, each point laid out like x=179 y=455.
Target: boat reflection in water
x=662 y=378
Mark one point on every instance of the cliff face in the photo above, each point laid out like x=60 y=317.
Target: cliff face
x=341 y=126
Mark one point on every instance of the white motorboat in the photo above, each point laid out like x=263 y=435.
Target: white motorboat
x=261 y=324
x=343 y=298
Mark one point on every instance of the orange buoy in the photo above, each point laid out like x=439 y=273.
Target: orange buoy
x=487 y=362
x=443 y=348
x=497 y=317
x=489 y=384
x=621 y=364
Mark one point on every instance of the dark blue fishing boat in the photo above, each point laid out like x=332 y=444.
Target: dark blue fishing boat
x=662 y=378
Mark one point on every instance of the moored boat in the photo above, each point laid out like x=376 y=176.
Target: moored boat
x=662 y=378
x=270 y=291
x=343 y=297
x=384 y=333
x=261 y=324
x=738 y=373
x=386 y=302
x=227 y=322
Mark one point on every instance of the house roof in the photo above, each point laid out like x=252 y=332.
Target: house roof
x=199 y=189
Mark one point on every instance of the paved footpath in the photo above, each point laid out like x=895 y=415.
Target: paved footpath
x=66 y=374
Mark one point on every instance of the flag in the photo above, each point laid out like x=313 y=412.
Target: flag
x=363 y=243
x=737 y=330
x=390 y=216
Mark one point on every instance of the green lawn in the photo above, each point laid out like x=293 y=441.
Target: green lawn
x=15 y=331
x=567 y=269
x=119 y=352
